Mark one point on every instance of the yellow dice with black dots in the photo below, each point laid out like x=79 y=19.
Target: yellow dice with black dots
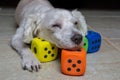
x=44 y=50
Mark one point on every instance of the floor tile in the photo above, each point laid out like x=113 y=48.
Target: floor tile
x=116 y=42
x=7 y=11
x=7 y=27
x=101 y=13
x=102 y=65
x=108 y=26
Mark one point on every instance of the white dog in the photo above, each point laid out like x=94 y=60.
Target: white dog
x=38 y=18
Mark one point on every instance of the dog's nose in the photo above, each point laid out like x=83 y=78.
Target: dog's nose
x=77 y=38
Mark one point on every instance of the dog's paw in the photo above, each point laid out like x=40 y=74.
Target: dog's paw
x=30 y=63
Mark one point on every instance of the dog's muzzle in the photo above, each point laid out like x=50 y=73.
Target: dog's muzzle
x=77 y=38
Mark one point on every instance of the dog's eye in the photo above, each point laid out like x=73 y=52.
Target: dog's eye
x=56 y=25
x=75 y=23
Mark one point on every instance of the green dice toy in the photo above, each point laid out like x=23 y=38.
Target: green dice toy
x=85 y=46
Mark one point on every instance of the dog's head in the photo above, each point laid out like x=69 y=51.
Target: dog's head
x=63 y=28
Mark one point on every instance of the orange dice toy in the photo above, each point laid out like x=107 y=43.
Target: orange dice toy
x=73 y=62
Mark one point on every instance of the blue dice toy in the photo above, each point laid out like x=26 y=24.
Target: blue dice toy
x=94 y=41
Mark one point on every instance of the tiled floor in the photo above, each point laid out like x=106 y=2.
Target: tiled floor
x=102 y=65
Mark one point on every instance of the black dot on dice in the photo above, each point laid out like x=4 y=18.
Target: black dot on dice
x=43 y=40
x=52 y=55
x=45 y=49
x=53 y=48
x=98 y=40
x=84 y=44
x=98 y=46
x=69 y=60
x=35 y=50
x=95 y=41
x=49 y=52
x=79 y=61
x=73 y=65
x=95 y=47
x=92 y=48
x=69 y=69
x=45 y=56
x=78 y=70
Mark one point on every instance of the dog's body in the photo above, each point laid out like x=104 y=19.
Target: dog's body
x=38 y=18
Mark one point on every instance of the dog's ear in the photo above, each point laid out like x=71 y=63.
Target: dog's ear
x=82 y=23
x=30 y=25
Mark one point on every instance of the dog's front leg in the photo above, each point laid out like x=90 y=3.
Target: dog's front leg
x=29 y=61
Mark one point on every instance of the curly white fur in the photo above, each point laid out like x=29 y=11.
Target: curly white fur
x=39 y=18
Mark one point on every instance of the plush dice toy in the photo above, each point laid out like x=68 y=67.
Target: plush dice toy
x=73 y=62
x=85 y=46
x=44 y=50
x=94 y=41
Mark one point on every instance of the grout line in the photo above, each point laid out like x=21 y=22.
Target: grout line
x=6 y=14
x=114 y=38
x=112 y=44
x=104 y=16
x=107 y=40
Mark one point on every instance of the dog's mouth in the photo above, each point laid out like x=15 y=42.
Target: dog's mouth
x=77 y=47
x=69 y=45
x=72 y=47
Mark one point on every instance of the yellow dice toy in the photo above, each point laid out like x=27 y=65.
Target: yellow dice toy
x=44 y=50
